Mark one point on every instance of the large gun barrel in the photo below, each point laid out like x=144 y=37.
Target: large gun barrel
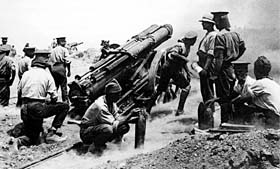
x=121 y=62
x=128 y=64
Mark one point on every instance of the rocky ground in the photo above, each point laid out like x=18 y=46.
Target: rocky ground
x=169 y=143
x=253 y=150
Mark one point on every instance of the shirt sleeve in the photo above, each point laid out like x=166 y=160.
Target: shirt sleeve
x=106 y=117
x=93 y=109
x=211 y=45
x=255 y=90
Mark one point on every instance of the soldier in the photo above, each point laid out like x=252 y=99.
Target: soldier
x=24 y=63
x=242 y=85
x=263 y=94
x=33 y=88
x=176 y=68
x=205 y=58
x=4 y=41
x=228 y=47
x=102 y=122
x=59 y=64
x=7 y=74
x=244 y=81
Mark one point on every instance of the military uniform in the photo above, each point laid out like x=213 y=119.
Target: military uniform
x=206 y=54
x=6 y=75
x=33 y=88
x=101 y=122
x=228 y=47
x=58 y=68
x=175 y=68
x=104 y=123
x=24 y=64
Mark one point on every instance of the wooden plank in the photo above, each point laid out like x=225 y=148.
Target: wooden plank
x=236 y=126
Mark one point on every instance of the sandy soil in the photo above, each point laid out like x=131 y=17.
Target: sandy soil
x=169 y=143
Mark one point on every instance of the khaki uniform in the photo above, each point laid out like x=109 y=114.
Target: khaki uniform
x=6 y=67
x=58 y=69
x=101 y=124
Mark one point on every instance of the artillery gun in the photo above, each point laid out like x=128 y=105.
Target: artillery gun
x=133 y=64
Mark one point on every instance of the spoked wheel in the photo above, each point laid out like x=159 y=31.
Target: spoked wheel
x=154 y=76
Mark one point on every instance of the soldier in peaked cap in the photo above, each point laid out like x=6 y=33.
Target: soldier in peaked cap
x=206 y=56
x=175 y=67
x=36 y=105
x=228 y=47
x=4 y=40
x=263 y=94
x=242 y=85
x=59 y=63
x=243 y=79
x=7 y=75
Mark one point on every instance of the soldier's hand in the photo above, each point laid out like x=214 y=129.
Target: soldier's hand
x=135 y=112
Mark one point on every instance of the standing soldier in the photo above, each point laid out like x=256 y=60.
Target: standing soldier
x=228 y=47
x=33 y=88
x=59 y=64
x=7 y=74
x=176 y=68
x=205 y=58
x=24 y=63
x=4 y=41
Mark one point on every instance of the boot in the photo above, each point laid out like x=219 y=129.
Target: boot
x=183 y=97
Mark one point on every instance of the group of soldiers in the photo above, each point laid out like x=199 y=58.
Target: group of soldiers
x=103 y=121
x=223 y=75
x=41 y=73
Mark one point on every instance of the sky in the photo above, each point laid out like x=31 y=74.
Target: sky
x=90 y=21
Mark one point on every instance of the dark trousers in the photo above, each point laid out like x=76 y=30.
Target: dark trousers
x=4 y=94
x=32 y=115
x=101 y=134
x=58 y=72
x=256 y=115
x=224 y=87
x=206 y=88
x=180 y=77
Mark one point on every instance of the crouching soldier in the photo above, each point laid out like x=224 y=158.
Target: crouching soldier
x=242 y=85
x=33 y=88
x=102 y=122
x=176 y=68
x=263 y=95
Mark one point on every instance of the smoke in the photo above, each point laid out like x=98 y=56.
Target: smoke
x=154 y=140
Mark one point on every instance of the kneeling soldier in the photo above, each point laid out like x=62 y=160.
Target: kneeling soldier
x=33 y=88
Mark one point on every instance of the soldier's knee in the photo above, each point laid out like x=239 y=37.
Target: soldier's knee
x=107 y=129
x=123 y=129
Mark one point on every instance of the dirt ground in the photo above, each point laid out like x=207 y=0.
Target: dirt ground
x=169 y=143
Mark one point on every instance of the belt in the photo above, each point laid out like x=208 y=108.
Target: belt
x=26 y=100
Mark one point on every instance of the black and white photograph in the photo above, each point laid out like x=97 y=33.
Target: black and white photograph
x=129 y=84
